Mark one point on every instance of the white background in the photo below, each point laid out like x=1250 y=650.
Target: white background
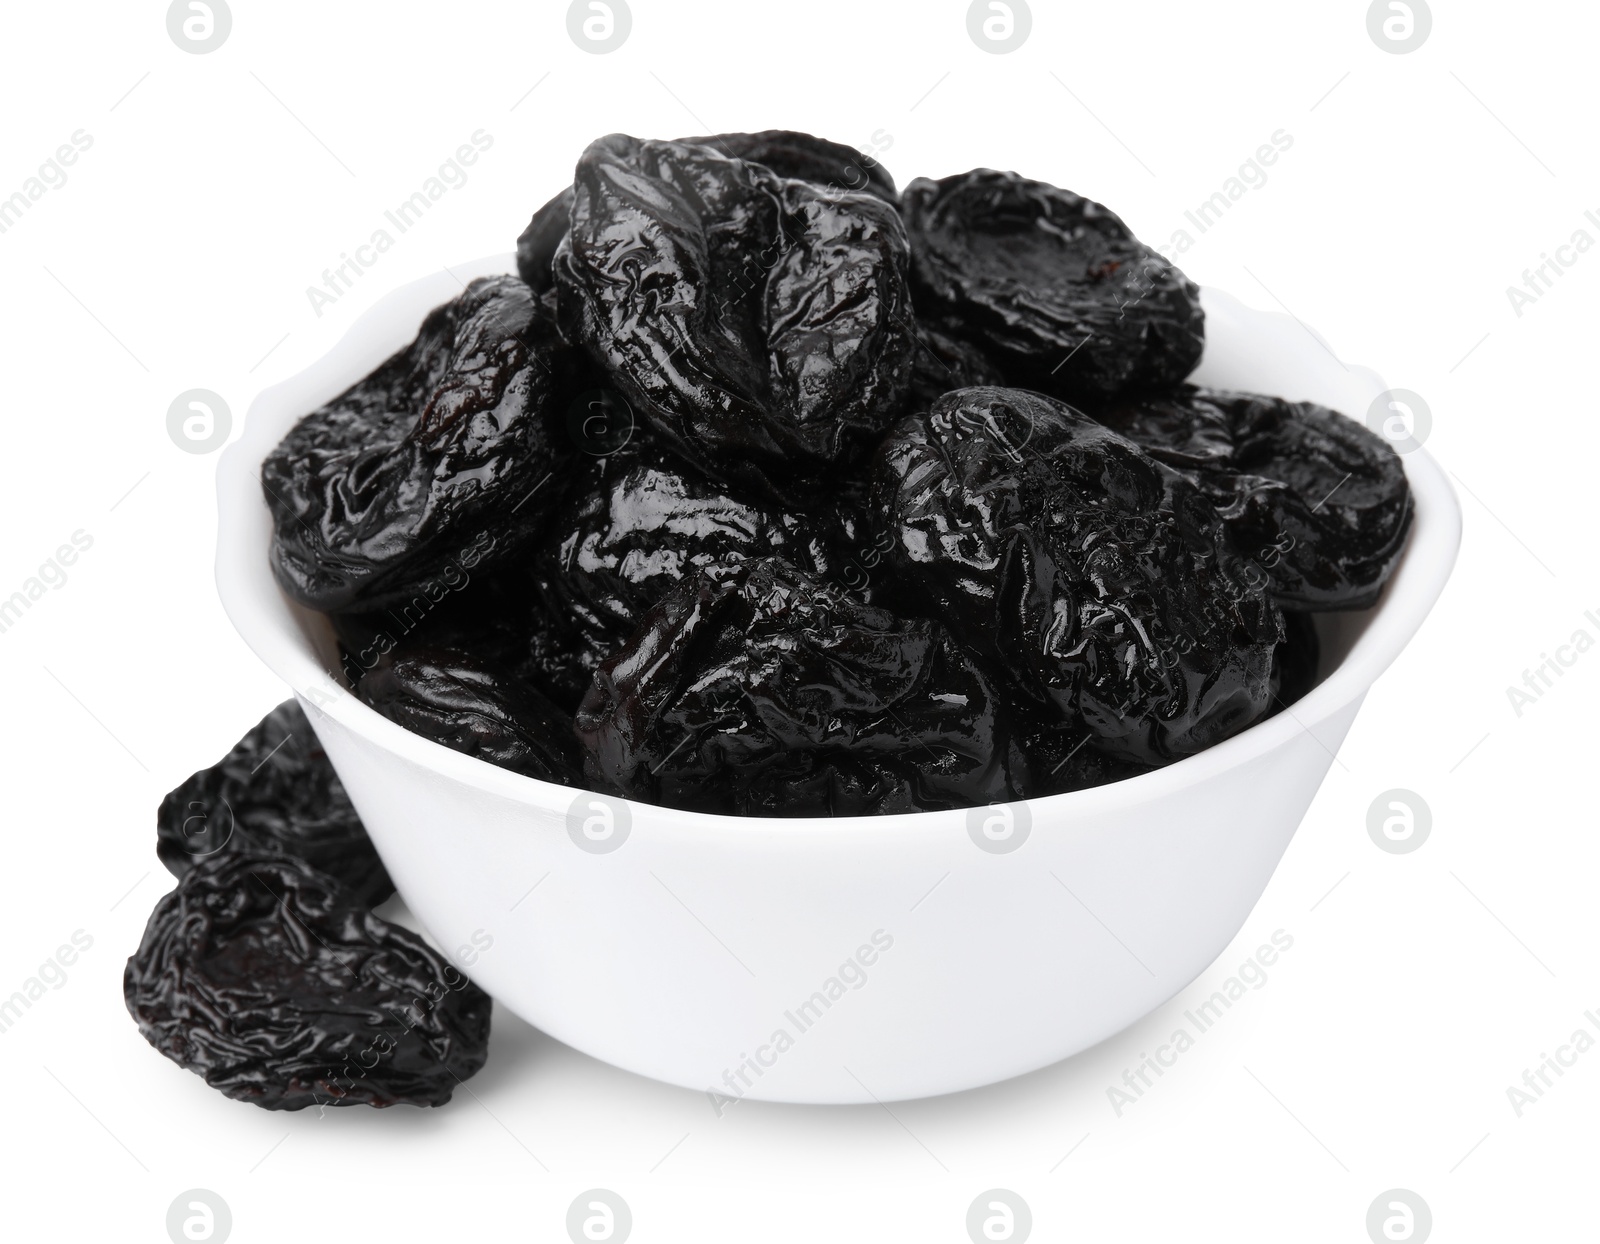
x=1420 y=986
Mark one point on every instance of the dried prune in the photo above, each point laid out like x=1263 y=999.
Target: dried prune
x=943 y=363
x=1057 y=548
x=498 y=616
x=636 y=523
x=855 y=542
x=272 y=982
x=828 y=467
x=536 y=246
x=789 y=154
x=469 y=706
x=1052 y=286
x=1314 y=501
x=483 y=618
x=805 y=157
x=760 y=690
x=1297 y=659
x=274 y=795
x=1060 y=759
x=759 y=325
x=443 y=458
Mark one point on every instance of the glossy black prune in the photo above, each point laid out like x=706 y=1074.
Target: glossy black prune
x=1297 y=661
x=638 y=522
x=469 y=706
x=817 y=419
x=444 y=457
x=1314 y=501
x=1075 y=562
x=805 y=157
x=760 y=690
x=275 y=794
x=498 y=616
x=1053 y=287
x=797 y=156
x=536 y=246
x=943 y=363
x=272 y=982
x=759 y=325
x=1060 y=759
x=856 y=542
x=484 y=617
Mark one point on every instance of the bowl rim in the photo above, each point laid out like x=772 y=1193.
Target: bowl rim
x=250 y=596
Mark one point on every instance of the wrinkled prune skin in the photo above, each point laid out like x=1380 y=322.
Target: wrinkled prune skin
x=788 y=153
x=1072 y=560
x=444 y=457
x=805 y=157
x=1314 y=501
x=1051 y=286
x=274 y=795
x=638 y=522
x=272 y=982
x=460 y=701
x=764 y=691
x=758 y=325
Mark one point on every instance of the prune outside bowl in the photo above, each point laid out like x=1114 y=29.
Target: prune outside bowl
x=832 y=960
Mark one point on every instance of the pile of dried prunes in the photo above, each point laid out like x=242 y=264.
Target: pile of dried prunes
x=765 y=489
x=760 y=489
x=265 y=971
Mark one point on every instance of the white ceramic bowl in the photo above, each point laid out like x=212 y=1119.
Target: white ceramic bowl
x=844 y=960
